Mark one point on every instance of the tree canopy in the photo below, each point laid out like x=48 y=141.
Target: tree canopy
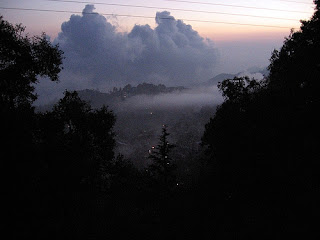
x=22 y=60
x=294 y=69
x=262 y=141
x=259 y=173
x=162 y=167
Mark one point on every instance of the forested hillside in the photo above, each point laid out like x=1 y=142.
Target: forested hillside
x=263 y=140
x=246 y=169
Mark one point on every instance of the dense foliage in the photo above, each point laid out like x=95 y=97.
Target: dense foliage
x=22 y=60
x=55 y=162
x=256 y=178
x=263 y=143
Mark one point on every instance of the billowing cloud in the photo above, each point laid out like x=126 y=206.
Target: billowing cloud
x=172 y=53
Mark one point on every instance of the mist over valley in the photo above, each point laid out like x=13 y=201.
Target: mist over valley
x=161 y=119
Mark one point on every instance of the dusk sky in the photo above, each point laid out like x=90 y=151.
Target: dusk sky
x=230 y=36
x=160 y=119
x=50 y=22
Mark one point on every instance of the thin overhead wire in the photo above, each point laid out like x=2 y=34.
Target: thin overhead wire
x=308 y=3
x=141 y=16
x=172 y=9
x=237 y=6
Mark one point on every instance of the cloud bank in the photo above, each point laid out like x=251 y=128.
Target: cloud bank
x=172 y=53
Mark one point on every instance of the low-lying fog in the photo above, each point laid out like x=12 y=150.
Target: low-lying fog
x=195 y=97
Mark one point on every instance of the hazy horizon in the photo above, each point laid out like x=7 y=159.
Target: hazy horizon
x=105 y=51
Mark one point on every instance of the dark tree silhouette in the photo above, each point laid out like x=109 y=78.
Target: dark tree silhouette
x=83 y=139
x=262 y=144
x=77 y=144
x=162 y=167
x=22 y=60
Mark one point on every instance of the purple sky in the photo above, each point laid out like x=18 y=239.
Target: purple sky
x=204 y=45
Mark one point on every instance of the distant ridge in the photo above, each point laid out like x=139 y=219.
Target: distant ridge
x=117 y=95
x=220 y=77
